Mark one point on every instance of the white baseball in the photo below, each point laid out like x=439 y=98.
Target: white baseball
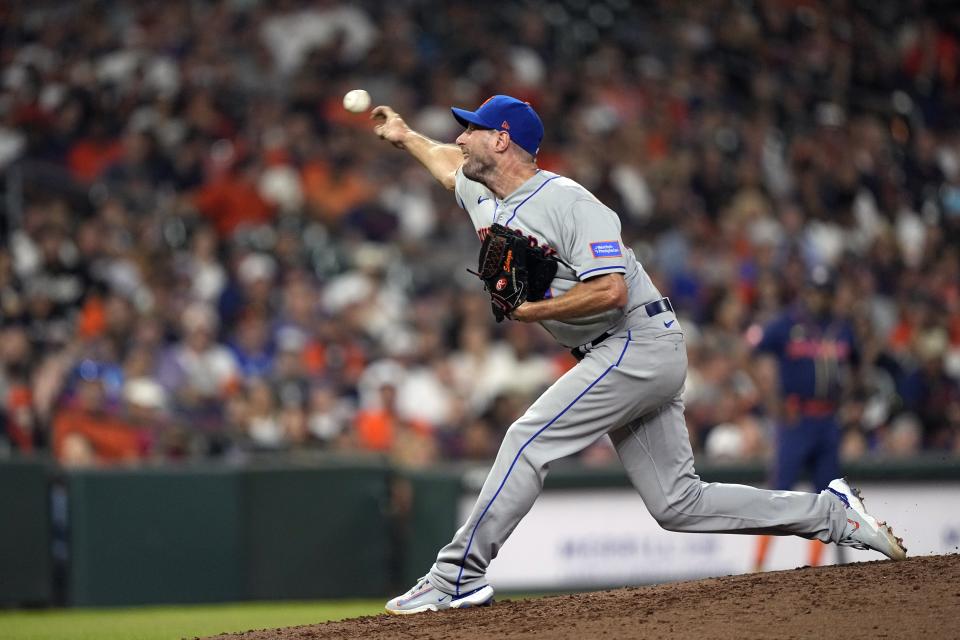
x=356 y=101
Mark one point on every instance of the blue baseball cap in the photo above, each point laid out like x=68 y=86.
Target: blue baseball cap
x=505 y=113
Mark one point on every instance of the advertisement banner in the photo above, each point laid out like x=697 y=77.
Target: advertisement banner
x=574 y=539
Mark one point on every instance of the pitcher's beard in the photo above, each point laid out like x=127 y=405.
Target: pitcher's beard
x=477 y=170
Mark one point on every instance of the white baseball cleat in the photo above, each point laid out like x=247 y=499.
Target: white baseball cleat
x=863 y=531
x=426 y=597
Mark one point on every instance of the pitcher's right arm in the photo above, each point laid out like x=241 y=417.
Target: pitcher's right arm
x=441 y=160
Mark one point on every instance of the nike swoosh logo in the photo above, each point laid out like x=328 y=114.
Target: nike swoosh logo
x=442 y=599
x=481 y=199
x=669 y=324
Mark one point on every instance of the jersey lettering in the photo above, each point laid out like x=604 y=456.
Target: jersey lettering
x=808 y=348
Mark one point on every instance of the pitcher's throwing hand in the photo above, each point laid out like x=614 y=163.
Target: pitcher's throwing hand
x=389 y=125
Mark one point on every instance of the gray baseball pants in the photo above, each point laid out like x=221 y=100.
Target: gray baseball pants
x=628 y=387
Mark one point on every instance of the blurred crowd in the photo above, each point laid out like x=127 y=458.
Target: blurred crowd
x=204 y=255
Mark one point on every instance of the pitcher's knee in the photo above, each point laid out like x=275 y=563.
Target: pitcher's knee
x=668 y=518
x=677 y=513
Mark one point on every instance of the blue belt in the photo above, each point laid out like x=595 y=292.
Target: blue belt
x=657 y=307
x=651 y=308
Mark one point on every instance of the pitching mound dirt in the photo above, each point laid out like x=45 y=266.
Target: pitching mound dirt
x=918 y=598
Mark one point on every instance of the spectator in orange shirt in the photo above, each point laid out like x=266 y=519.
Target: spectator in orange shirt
x=382 y=428
x=89 y=157
x=87 y=434
x=333 y=189
x=233 y=200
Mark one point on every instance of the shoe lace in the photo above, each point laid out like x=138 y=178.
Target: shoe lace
x=850 y=542
x=419 y=584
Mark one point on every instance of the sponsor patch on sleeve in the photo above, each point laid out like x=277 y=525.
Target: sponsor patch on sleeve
x=608 y=249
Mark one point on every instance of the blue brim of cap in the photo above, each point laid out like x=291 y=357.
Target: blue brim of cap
x=466 y=118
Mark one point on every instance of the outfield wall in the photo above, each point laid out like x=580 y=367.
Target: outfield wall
x=336 y=528
x=26 y=561
x=227 y=534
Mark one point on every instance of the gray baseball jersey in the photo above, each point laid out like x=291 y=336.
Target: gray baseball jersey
x=558 y=213
x=627 y=387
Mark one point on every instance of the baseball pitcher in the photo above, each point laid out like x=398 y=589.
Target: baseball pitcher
x=535 y=226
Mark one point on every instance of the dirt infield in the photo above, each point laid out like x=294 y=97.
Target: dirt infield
x=918 y=598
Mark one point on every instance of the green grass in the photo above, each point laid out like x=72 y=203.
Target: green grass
x=166 y=623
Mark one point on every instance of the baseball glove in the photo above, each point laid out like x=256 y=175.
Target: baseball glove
x=512 y=271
